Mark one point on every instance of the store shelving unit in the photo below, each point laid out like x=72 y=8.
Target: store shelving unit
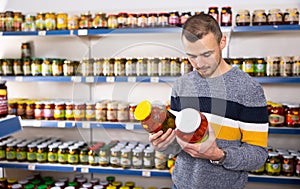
x=9 y=125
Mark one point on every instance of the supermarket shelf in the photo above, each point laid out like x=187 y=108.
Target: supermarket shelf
x=239 y=29
x=284 y=130
x=44 y=123
x=275 y=80
x=274 y=179
x=109 y=125
x=9 y=125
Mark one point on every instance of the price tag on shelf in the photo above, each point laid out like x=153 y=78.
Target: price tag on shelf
x=61 y=124
x=131 y=79
x=146 y=174
x=82 y=32
x=76 y=79
x=89 y=79
x=84 y=169
x=110 y=79
x=129 y=126
x=31 y=167
x=154 y=79
x=37 y=123
x=71 y=32
x=85 y=125
x=1 y=33
x=19 y=78
x=42 y=33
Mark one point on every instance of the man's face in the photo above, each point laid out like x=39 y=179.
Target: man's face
x=204 y=54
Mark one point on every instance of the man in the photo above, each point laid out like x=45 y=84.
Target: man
x=235 y=106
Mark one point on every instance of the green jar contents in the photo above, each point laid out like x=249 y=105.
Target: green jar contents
x=83 y=156
x=260 y=67
x=21 y=152
x=29 y=186
x=62 y=154
x=2 y=151
x=36 y=67
x=273 y=165
x=52 y=153
x=57 y=67
x=259 y=171
x=47 y=67
x=42 y=153
x=11 y=152
x=73 y=155
x=31 y=153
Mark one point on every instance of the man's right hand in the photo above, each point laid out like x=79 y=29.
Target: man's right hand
x=160 y=140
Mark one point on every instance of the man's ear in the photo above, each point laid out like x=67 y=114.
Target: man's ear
x=223 y=42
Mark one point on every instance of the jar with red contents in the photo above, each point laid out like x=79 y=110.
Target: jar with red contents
x=154 y=117
x=214 y=12
x=30 y=107
x=174 y=18
x=79 y=111
x=59 y=111
x=90 y=111
x=49 y=110
x=21 y=110
x=292 y=115
x=297 y=172
x=276 y=116
x=69 y=113
x=226 y=16
x=38 y=110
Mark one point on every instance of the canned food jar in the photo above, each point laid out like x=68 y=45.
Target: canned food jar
x=62 y=154
x=152 y=66
x=48 y=112
x=242 y=18
x=148 y=158
x=291 y=16
x=2 y=21
x=100 y=20
x=21 y=152
x=273 y=165
x=112 y=21
x=101 y=111
x=126 y=158
x=191 y=126
x=62 y=21
x=123 y=112
x=73 y=155
x=31 y=153
x=36 y=67
x=132 y=20
x=276 y=116
x=17 y=67
x=119 y=67
x=292 y=115
x=69 y=112
x=286 y=66
x=275 y=17
x=85 y=21
x=259 y=18
x=296 y=66
x=73 y=22
x=90 y=111
x=108 y=66
x=142 y=20
x=160 y=160
x=163 y=19
x=18 y=20
x=59 y=111
x=174 y=66
x=21 y=110
x=42 y=153
x=27 y=66
x=83 y=156
x=174 y=18
x=98 y=67
x=183 y=17
x=137 y=158
x=214 y=12
x=2 y=151
x=154 y=117
x=152 y=20
x=122 y=19
x=226 y=16
x=52 y=156
x=112 y=111
x=273 y=64
x=29 y=23
x=50 y=21
x=104 y=156
x=79 y=111
x=115 y=156
x=185 y=66
x=25 y=50
x=68 y=68
x=164 y=66
x=9 y=20
x=130 y=66
x=259 y=67
x=132 y=107
x=12 y=107
x=30 y=107
x=38 y=110
x=57 y=67
x=40 y=21
x=7 y=67
x=46 y=67
x=288 y=166
x=248 y=66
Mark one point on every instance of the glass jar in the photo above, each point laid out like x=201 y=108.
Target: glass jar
x=21 y=152
x=2 y=21
x=126 y=158
x=90 y=111
x=50 y=21
x=21 y=110
x=273 y=165
x=122 y=112
x=27 y=66
x=152 y=20
x=87 y=67
x=62 y=21
x=275 y=17
x=154 y=117
x=79 y=111
x=297 y=165
x=73 y=155
x=163 y=19
x=62 y=154
x=99 y=20
x=259 y=18
x=38 y=110
x=130 y=67
x=259 y=67
x=48 y=111
x=160 y=160
x=9 y=20
x=226 y=16
x=288 y=166
x=296 y=66
x=25 y=50
x=273 y=64
x=104 y=156
x=59 y=111
x=183 y=17
x=137 y=158
x=31 y=153
x=73 y=22
x=93 y=156
x=68 y=68
x=40 y=21
x=148 y=158
x=85 y=21
x=3 y=99
x=30 y=107
x=292 y=116
x=2 y=151
x=69 y=113
x=36 y=67
x=141 y=67
x=98 y=67
x=11 y=152
x=132 y=20
x=108 y=66
x=112 y=108
x=52 y=155
x=132 y=107
x=57 y=67
x=174 y=66
x=291 y=16
x=276 y=116
x=115 y=157
x=185 y=66
x=248 y=66
x=83 y=156
x=12 y=107
x=119 y=67
x=17 y=67
x=142 y=20
x=164 y=66
x=42 y=153
x=242 y=18
x=7 y=67
x=122 y=19
x=214 y=12
x=174 y=19
x=101 y=111
x=152 y=66
x=46 y=67
x=286 y=65
x=112 y=21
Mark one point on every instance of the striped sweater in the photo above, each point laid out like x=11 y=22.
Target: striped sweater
x=235 y=105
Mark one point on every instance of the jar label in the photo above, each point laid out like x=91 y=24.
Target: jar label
x=48 y=113
x=2 y=154
x=41 y=156
x=148 y=162
x=69 y=114
x=84 y=158
x=59 y=113
x=38 y=113
x=125 y=162
x=62 y=158
x=31 y=156
x=73 y=158
x=115 y=160
x=260 y=68
x=292 y=119
x=11 y=155
x=93 y=160
x=103 y=159
x=273 y=167
x=79 y=114
x=287 y=168
x=90 y=114
x=136 y=161
x=21 y=155
x=101 y=115
x=52 y=157
x=276 y=119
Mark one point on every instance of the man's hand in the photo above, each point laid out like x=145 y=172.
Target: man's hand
x=160 y=140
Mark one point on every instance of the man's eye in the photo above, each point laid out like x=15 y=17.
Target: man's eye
x=206 y=55
x=192 y=56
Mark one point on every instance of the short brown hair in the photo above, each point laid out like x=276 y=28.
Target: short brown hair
x=200 y=25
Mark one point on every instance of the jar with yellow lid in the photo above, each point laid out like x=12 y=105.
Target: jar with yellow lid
x=286 y=66
x=50 y=21
x=36 y=67
x=62 y=21
x=85 y=21
x=154 y=117
x=129 y=184
x=12 y=107
x=99 y=20
x=26 y=66
x=124 y=187
x=17 y=67
x=111 y=187
x=276 y=116
x=47 y=67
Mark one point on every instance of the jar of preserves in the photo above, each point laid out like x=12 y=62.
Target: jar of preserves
x=48 y=112
x=69 y=112
x=62 y=154
x=9 y=20
x=68 y=68
x=79 y=111
x=87 y=67
x=152 y=66
x=226 y=16
x=98 y=67
x=273 y=64
x=214 y=12
x=148 y=158
x=36 y=67
x=40 y=21
x=29 y=23
x=122 y=112
x=154 y=117
x=242 y=18
x=27 y=66
x=25 y=50
x=57 y=67
x=2 y=151
x=42 y=153
x=100 y=20
x=132 y=107
x=83 y=156
x=160 y=160
x=132 y=20
x=248 y=66
x=2 y=21
x=90 y=111
x=296 y=66
x=59 y=111
x=291 y=16
x=286 y=65
x=21 y=111
x=152 y=20
x=101 y=111
x=275 y=17
x=31 y=153
x=141 y=67
x=185 y=66
x=73 y=155
x=292 y=115
x=62 y=21
x=85 y=21
x=7 y=67
x=47 y=67
x=104 y=156
x=115 y=157
x=126 y=158
x=137 y=158
x=112 y=111
x=17 y=67
x=112 y=21
x=73 y=22
x=119 y=66
x=259 y=18
x=164 y=66
x=142 y=20
x=122 y=19
x=276 y=116
x=183 y=17
x=108 y=66
x=174 y=19
x=21 y=152
x=195 y=131
x=288 y=166
x=18 y=20
x=273 y=165
x=52 y=156
x=163 y=19
x=3 y=99
x=50 y=21
x=30 y=107
x=174 y=66
x=38 y=110
x=130 y=66
x=259 y=67
x=12 y=107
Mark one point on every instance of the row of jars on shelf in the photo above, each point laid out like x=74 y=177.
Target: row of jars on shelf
x=37 y=181
x=140 y=66
x=282 y=66
x=283 y=114
x=104 y=110
x=281 y=162
x=125 y=154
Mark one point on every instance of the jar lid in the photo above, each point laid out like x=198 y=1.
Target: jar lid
x=143 y=110
x=272 y=154
x=125 y=150
x=288 y=156
x=59 y=184
x=98 y=187
x=188 y=120
x=21 y=145
x=137 y=150
x=62 y=147
x=73 y=147
x=293 y=105
x=16 y=186
x=11 y=144
x=87 y=185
